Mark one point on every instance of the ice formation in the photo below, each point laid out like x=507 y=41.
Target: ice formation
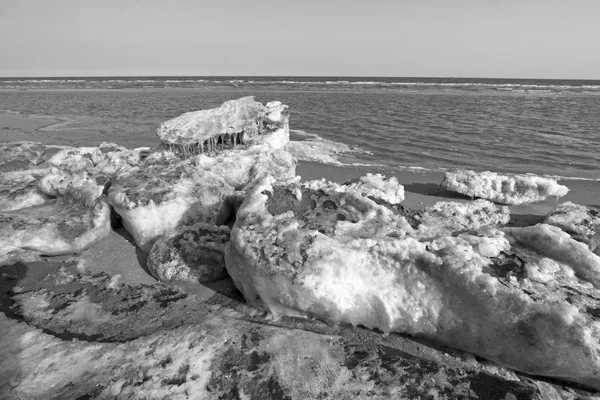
x=62 y=226
x=206 y=156
x=192 y=253
x=581 y=222
x=503 y=189
x=19 y=189
x=345 y=258
x=21 y=155
x=235 y=122
x=551 y=241
x=452 y=216
x=376 y=185
x=155 y=199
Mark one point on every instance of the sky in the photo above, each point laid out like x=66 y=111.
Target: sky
x=405 y=38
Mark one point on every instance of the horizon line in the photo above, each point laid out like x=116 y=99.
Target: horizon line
x=292 y=76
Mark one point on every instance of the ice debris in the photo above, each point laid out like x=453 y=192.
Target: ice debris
x=295 y=252
x=503 y=189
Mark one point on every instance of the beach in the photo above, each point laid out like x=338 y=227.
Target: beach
x=175 y=313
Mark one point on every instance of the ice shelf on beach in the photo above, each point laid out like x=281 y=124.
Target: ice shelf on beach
x=21 y=156
x=234 y=122
x=193 y=253
x=503 y=189
x=345 y=258
x=581 y=222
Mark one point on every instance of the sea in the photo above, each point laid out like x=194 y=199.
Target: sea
x=543 y=127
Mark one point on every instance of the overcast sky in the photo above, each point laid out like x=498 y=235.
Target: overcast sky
x=458 y=38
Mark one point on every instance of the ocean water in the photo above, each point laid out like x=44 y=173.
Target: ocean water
x=548 y=127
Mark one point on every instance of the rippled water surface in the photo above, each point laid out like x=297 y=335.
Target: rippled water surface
x=543 y=127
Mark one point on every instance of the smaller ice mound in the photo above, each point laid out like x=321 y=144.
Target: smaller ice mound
x=344 y=258
x=86 y=173
x=62 y=226
x=581 y=222
x=553 y=242
x=446 y=217
x=191 y=253
x=235 y=122
x=108 y=158
x=79 y=185
x=155 y=199
x=378 y=186
x=21 y=155
x=502 y=189
x=19 y=189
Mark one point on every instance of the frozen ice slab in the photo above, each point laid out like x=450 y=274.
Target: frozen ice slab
x=21 y=155
x=59 y=227
x=581 y=222
x=19 y=189
x=344 y=258
x=155 y=199
x=503 y=189
x=235 y=122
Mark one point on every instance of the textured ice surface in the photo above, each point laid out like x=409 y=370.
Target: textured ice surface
x=551 y=241
x=295 y=253
x=19 y=189
x=108 y=158
x=446 y=217
x=21 y=155
x=234 y=122
x=376 y=185
x=581 y=222
x=155 y=199
x=503 y=189
x=191 y=253
x=58 y=227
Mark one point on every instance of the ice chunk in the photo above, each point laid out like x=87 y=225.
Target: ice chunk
x=446 y=217
x=234 y=122
x=378 y=186
x=108 y=159
x=581 y=222
x=192 y=253
x=291 y=254
x=19 y=189
x=21 y=155
x=59 y=227
x=553 y=242
x=155 y=199
x=503 y=189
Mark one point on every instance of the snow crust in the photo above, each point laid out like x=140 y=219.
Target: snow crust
x=462 y=290
x=503 y=189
